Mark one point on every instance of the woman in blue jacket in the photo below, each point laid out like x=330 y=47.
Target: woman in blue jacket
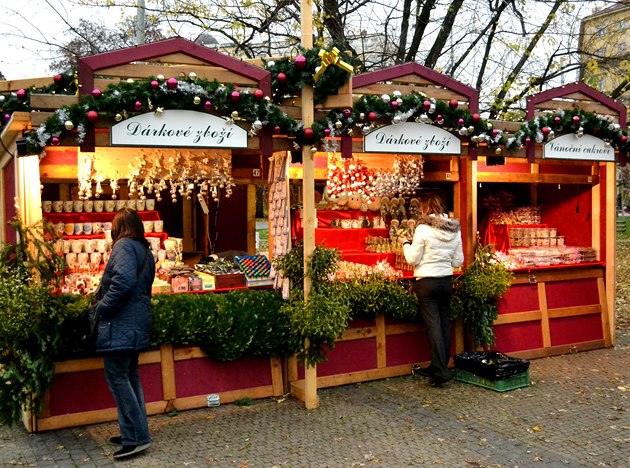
x=123 y=330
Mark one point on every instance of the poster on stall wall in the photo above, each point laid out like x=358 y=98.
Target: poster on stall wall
x=178 y=128
x=412 y=138
x=584 y=148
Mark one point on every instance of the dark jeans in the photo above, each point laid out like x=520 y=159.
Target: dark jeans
x=434 y=296
x=121 y=373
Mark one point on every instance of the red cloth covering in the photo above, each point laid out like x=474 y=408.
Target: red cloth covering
x=105 y=216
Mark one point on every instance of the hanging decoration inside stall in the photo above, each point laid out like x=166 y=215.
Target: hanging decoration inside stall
x=403 y=179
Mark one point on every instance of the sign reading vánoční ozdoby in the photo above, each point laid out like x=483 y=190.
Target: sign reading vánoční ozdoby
x=178 y=128
x=584 y=148
x=411 y=137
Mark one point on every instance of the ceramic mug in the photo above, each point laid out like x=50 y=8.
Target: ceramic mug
x=68 y=206
x=69 y=228
x=158 y=225
x=110 y=205
x=140 y=204
x=97 y=227
x=47 y=206
x=60 y=228
x=131 y=204
x=71 y=258
x=89 y=245
x=120 y=204
x=78 y=206
x=77 y=246
x=99 y=205
x=150 y=204
x=67 y=246
x=87 y=228
x=101 y=245
x=83 y=258
x=96 y=257
x=155 y=243
x=161 y=255
x=57 y=206
x=78 y=229
x=88 y=206
x=148 y=226
x=107 y=226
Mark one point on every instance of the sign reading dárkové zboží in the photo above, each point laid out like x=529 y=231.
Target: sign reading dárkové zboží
x=178 y=128
x=584 y=148
x=411 y=137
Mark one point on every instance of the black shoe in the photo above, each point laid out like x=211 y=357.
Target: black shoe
x=436 y=382
x=116 y=440
x=129 y=450
x=422 y=371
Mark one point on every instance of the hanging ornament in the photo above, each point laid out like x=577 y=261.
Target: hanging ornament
x=385 y=98
x=172 y=83
x=137 y=105
x=453 y=104
x=460 y=121
x=476 y=118
x=155 y=84
x=576 y=119
x=338 y=124
x=192 y=76
x=489 y=126
x=396 y=120
x=347 y=113
x=365 y=129
x=235 y=96
x=207 y=105
x=396 y=93
x=68 y=124
x=498 y=151
x=394 y=104
x=257 y=124
x=2 y=98
x=21 y=95
x=300 y=62
x=371 y=116
x=440 y=119
x=281 y=78
x=327 y=132
x=528 y=140
x=545 y=131
x=58 y=79
x=277 y=129
x=308 y=134
x=96 y=93
x=234 y=114
x=196 y=100
x=426 y=105
x=159 y=110
x=259 y=94
x=556 y=120
x=92 y=116
x=160 y=77
x=118 y=117
x=54 y=141
x=362 y=116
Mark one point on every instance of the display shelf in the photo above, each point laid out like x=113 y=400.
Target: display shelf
x=103 y=216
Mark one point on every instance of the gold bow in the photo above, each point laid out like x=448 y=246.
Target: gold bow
x=331 y=58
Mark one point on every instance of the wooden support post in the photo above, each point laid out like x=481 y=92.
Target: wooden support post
x=167 y=363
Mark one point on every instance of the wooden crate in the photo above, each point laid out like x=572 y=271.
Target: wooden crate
x=234 y=280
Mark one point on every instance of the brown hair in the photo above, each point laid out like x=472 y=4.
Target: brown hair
x=432 y=204
x=127 y=223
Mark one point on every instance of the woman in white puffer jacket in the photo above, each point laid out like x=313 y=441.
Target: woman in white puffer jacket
x=435 y=250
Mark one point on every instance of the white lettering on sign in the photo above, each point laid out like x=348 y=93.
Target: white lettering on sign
x=411 y=137
x=585 y=148
x=178 y=128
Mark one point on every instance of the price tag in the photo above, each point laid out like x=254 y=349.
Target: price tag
x=202 y=202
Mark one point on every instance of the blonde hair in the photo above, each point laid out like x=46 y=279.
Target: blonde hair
x=432 y=204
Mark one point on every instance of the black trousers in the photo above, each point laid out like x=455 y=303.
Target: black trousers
x=434 y=296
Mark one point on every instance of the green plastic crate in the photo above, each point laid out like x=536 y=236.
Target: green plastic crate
x=503 y=385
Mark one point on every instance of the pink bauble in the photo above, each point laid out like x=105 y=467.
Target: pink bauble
x=476 y=117
x=58 y=79
x=207 y=105
x=528 y=140
x=545 y=130
x=300 y=61
x=7 y=117
x=624 y=138
x=138 y=105
x=96 y=93
x=347 y=113
x=308 y=133
x=92 y=116
x=556 y=119
x=426 y=105
x=460 y=122
x=155 y=84
x=259 y=94
x=21 y=94
x=282 y=77
x=172 y=83
x=453 y=104
x=371 y=116
x=327 y=131
x=54 y=141
x=277 y=129
x=576 y=119
x=235 y=96
x=394 y=104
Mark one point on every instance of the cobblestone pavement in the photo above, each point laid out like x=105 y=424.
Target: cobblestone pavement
x=576 y=412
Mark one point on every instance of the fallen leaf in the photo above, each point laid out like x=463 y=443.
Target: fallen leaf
x=537 y=428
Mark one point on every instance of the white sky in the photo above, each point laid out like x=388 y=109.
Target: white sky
x=22 y=58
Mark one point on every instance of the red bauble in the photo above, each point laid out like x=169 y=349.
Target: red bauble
x=54 y=141
x=300 y=61
x=259 y=94
x=137 y=105
x=155 y=84
x=308 y=134
x=235 y=96
x=476 y=118
x=371 y=116
x=453 y=104
x=21 y=95
x=92 y=116
x=58 y=79
x=172 y=83
x=545 y=131
x=347 y=113
x=624 y=138
x=277 y=129
x=207 y=105
x=282 y=77
x=426 y=105
x=96 y=93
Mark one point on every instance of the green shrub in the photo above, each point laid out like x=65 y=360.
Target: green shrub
x=373 y=296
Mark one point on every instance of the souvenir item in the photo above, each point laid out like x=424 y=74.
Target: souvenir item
x=99 y=205
x=77 y=206
x=47 y=206
x=57 y=206
x=68 y=206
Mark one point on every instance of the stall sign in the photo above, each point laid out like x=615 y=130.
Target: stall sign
x=178 y=128
x=411 y=137
x=584 y=148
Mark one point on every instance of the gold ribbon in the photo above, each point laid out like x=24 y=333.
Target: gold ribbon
x=330 y=58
